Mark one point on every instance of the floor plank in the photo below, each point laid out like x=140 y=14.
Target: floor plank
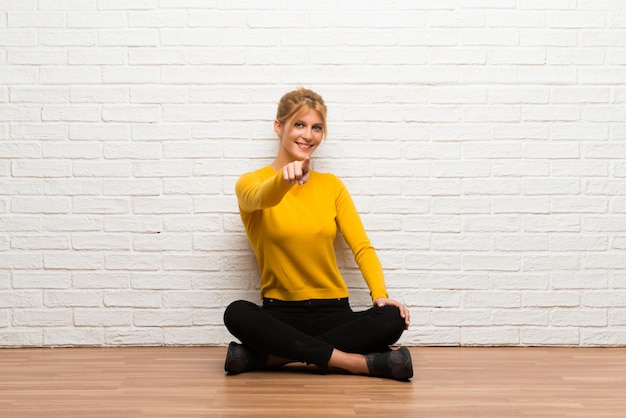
x=190 y=382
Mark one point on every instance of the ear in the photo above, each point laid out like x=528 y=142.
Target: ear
x=278 y=128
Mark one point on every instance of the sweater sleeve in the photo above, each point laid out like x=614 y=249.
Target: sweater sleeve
x=351 y=227
x=255 y=193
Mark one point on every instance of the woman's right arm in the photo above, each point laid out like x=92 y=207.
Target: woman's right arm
x=255 y=193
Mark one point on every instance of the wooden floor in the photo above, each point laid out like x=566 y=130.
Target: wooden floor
x=190 y=382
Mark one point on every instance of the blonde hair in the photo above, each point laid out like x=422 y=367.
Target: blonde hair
x=297 y=102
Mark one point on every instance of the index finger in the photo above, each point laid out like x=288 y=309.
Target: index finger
x=305 y=165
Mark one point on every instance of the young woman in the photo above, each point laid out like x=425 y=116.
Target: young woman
x=291 y=215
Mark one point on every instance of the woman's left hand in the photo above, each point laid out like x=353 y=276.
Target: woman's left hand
x=404 y=311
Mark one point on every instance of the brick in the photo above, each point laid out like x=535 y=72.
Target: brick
x=40 y=280
x=78 y=38
x=192 y=186
x=25 y=75
x=102 y=56
x=14 y=187
x=132 y=151
x=528 y=205
x=64 y=75
x=134 y=114
x=99 y=20
x=71 y=114
x=128 y=5
x=160 y=19
x=579 y=317
x=425 y=223
x=601 y=337
x=72 y=298
x=99 y=94
x=459 y=317
x=424 y=261
x=19 y=113
x=97 y=280
x=42 y=318
x=18 y=38
x=214 y=18
x=71 y=260
x=36 y=20
x=160 y=281
x=13 y=5
x=196 y=299
x=20 y=337
x=131 y=262
x=193 y=335
x=171 y=94
x=37 y=57
x=457 y=205
x=523 y=281
x=39 y=94
x=101 y=242
x=159 y=132
x=135 y=187
x=40 y=242
x=162 y=205
x=491 y=187
x=72 y=223
x=490 y=336
x=129 y=38
x=101 y=317
x=549 y=299
x=134 y=299
x=125 y=336
x=549 y=336
x=162 y=318
x=603 y=299
x=130 y=75
x=40 y=168
x=191 y=262
x=67 y=5
x=162 y=242
x=39 y=131
x=194 y=223
x=177 y=168
x=73 y=337
x=135 y=223
x=99 y=169
x=101 y=205
x=434 y=336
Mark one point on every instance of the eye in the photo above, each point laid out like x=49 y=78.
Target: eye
x=318 y=128
x=299 y=125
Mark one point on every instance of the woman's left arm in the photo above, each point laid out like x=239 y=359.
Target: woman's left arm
x=351 y=227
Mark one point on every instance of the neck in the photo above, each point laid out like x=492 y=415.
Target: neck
x=281 y=160
x=277 y=165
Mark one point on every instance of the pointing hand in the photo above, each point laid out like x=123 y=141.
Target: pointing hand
x=297 y=171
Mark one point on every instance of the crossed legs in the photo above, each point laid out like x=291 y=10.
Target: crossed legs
x=325 y=333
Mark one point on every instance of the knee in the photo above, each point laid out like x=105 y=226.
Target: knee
x=236 y=312
x=391 y=312
x=394 y=323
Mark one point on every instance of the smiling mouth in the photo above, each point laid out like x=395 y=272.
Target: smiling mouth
x=304 y=146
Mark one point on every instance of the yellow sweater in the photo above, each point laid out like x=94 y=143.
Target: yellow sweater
x=292 y=230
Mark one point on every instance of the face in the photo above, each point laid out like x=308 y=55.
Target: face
x=302 y=139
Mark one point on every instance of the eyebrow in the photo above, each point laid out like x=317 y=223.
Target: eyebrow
x=304 y=123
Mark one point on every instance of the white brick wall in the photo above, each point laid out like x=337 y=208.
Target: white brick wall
x=483 y=141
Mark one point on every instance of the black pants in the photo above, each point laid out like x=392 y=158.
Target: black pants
x=308 y=331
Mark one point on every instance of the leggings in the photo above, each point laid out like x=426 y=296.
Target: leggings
x=308 y=331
